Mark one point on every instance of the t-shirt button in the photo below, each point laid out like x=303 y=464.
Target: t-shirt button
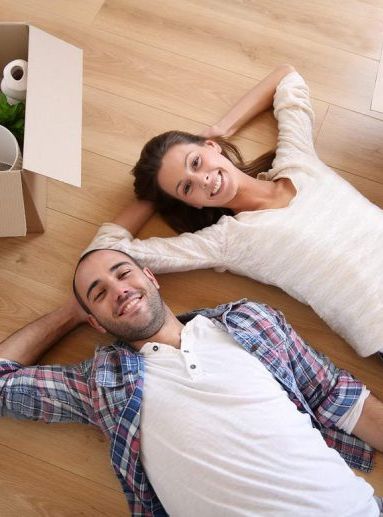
x=155 y=348
x=193 y=366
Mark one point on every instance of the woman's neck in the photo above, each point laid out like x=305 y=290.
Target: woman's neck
x=254 y=194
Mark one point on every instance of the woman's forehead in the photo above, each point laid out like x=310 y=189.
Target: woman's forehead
x=173 y=165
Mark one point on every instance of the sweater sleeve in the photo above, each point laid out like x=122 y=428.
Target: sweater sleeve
x=295 y=116
x=200 y=250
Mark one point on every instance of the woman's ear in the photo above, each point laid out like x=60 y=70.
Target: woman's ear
x=95 y=324
x=214 y=144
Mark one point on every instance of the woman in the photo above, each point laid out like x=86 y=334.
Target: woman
x=298 y=226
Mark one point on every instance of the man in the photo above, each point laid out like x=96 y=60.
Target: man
x=208 y=414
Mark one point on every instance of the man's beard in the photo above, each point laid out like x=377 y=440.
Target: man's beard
x=146 y=326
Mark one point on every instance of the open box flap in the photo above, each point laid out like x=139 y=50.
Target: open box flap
x=35 y=201
x=53 y=117
x=12 y=216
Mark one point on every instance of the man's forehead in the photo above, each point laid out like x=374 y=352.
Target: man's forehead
x=105 y=256
x=101 y=261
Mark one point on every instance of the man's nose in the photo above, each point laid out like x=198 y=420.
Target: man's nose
x=119 y=291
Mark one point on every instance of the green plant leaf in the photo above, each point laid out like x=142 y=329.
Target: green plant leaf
x=12 y=117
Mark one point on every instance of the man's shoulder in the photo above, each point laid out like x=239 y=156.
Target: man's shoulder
x=116 y=362
x=242 y=308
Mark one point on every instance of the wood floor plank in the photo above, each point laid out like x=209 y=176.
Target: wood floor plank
x=107 y=188
x=83 y=450
x=176 y=84
x=40 y=257
x=169 y=82
x=242 y=46
x=334 y=24
x=35 y=488
x=117 y=128
x=377 y=98
x=352 y=142
x=82 y=12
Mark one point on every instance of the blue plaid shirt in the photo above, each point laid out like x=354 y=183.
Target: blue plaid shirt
x=107 y=391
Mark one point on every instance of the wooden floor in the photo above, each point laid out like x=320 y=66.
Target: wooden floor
x=151 y=66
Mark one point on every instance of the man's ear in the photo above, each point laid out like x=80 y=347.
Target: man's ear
x=95 y=324
x=214 y=144
x=151 y=277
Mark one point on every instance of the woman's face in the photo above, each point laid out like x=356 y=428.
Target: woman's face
x=199 y=175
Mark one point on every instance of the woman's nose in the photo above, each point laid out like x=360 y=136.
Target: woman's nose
x=205 y=180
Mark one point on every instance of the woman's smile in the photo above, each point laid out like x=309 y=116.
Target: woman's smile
x=218 y=184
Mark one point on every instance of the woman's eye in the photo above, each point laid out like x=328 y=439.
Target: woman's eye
x=195 y=162
x=187 y=188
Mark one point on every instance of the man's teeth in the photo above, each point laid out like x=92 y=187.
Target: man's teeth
x=217 y=184
x=129 y=305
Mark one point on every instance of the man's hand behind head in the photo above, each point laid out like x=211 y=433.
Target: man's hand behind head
x=74 y=308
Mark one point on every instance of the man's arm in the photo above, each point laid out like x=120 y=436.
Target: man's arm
x=49 y=393
x=369 y=427
x=28 y=344
x=329 y=391
x=257 y=100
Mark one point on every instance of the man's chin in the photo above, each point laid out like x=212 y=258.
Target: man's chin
x=137 y=330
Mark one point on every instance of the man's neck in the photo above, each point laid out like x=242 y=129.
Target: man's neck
x=169 y=333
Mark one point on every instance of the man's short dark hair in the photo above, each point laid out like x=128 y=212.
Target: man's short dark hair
x=82 y=258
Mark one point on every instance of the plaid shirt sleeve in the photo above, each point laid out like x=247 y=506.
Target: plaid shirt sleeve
x=48 y=393
x=328 y=390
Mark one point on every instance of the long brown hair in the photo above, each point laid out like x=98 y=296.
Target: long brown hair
x=180 y=216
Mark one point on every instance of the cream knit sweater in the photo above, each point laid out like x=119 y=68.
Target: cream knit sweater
x=325 y=249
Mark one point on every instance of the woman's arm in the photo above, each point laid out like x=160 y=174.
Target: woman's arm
x=134 y=216
x=203 y=249
x=257 y=100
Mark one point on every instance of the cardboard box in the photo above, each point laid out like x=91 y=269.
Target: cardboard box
x=53 y=117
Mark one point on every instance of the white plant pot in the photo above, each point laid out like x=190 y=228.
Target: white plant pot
x=10 y=155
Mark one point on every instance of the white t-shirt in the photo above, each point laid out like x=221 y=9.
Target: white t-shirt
x=219 y=436
x=324 y=249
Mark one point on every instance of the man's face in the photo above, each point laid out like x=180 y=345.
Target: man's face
x=122 y=298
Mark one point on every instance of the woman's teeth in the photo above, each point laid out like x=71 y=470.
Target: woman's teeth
x=217 y=184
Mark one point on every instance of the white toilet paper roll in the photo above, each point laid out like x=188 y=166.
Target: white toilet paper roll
x=14 y=83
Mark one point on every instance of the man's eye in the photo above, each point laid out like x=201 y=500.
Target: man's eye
x=99 y=295
x=124 y=273
x=187 y=188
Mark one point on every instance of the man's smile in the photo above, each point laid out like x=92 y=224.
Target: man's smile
x=130 y=304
